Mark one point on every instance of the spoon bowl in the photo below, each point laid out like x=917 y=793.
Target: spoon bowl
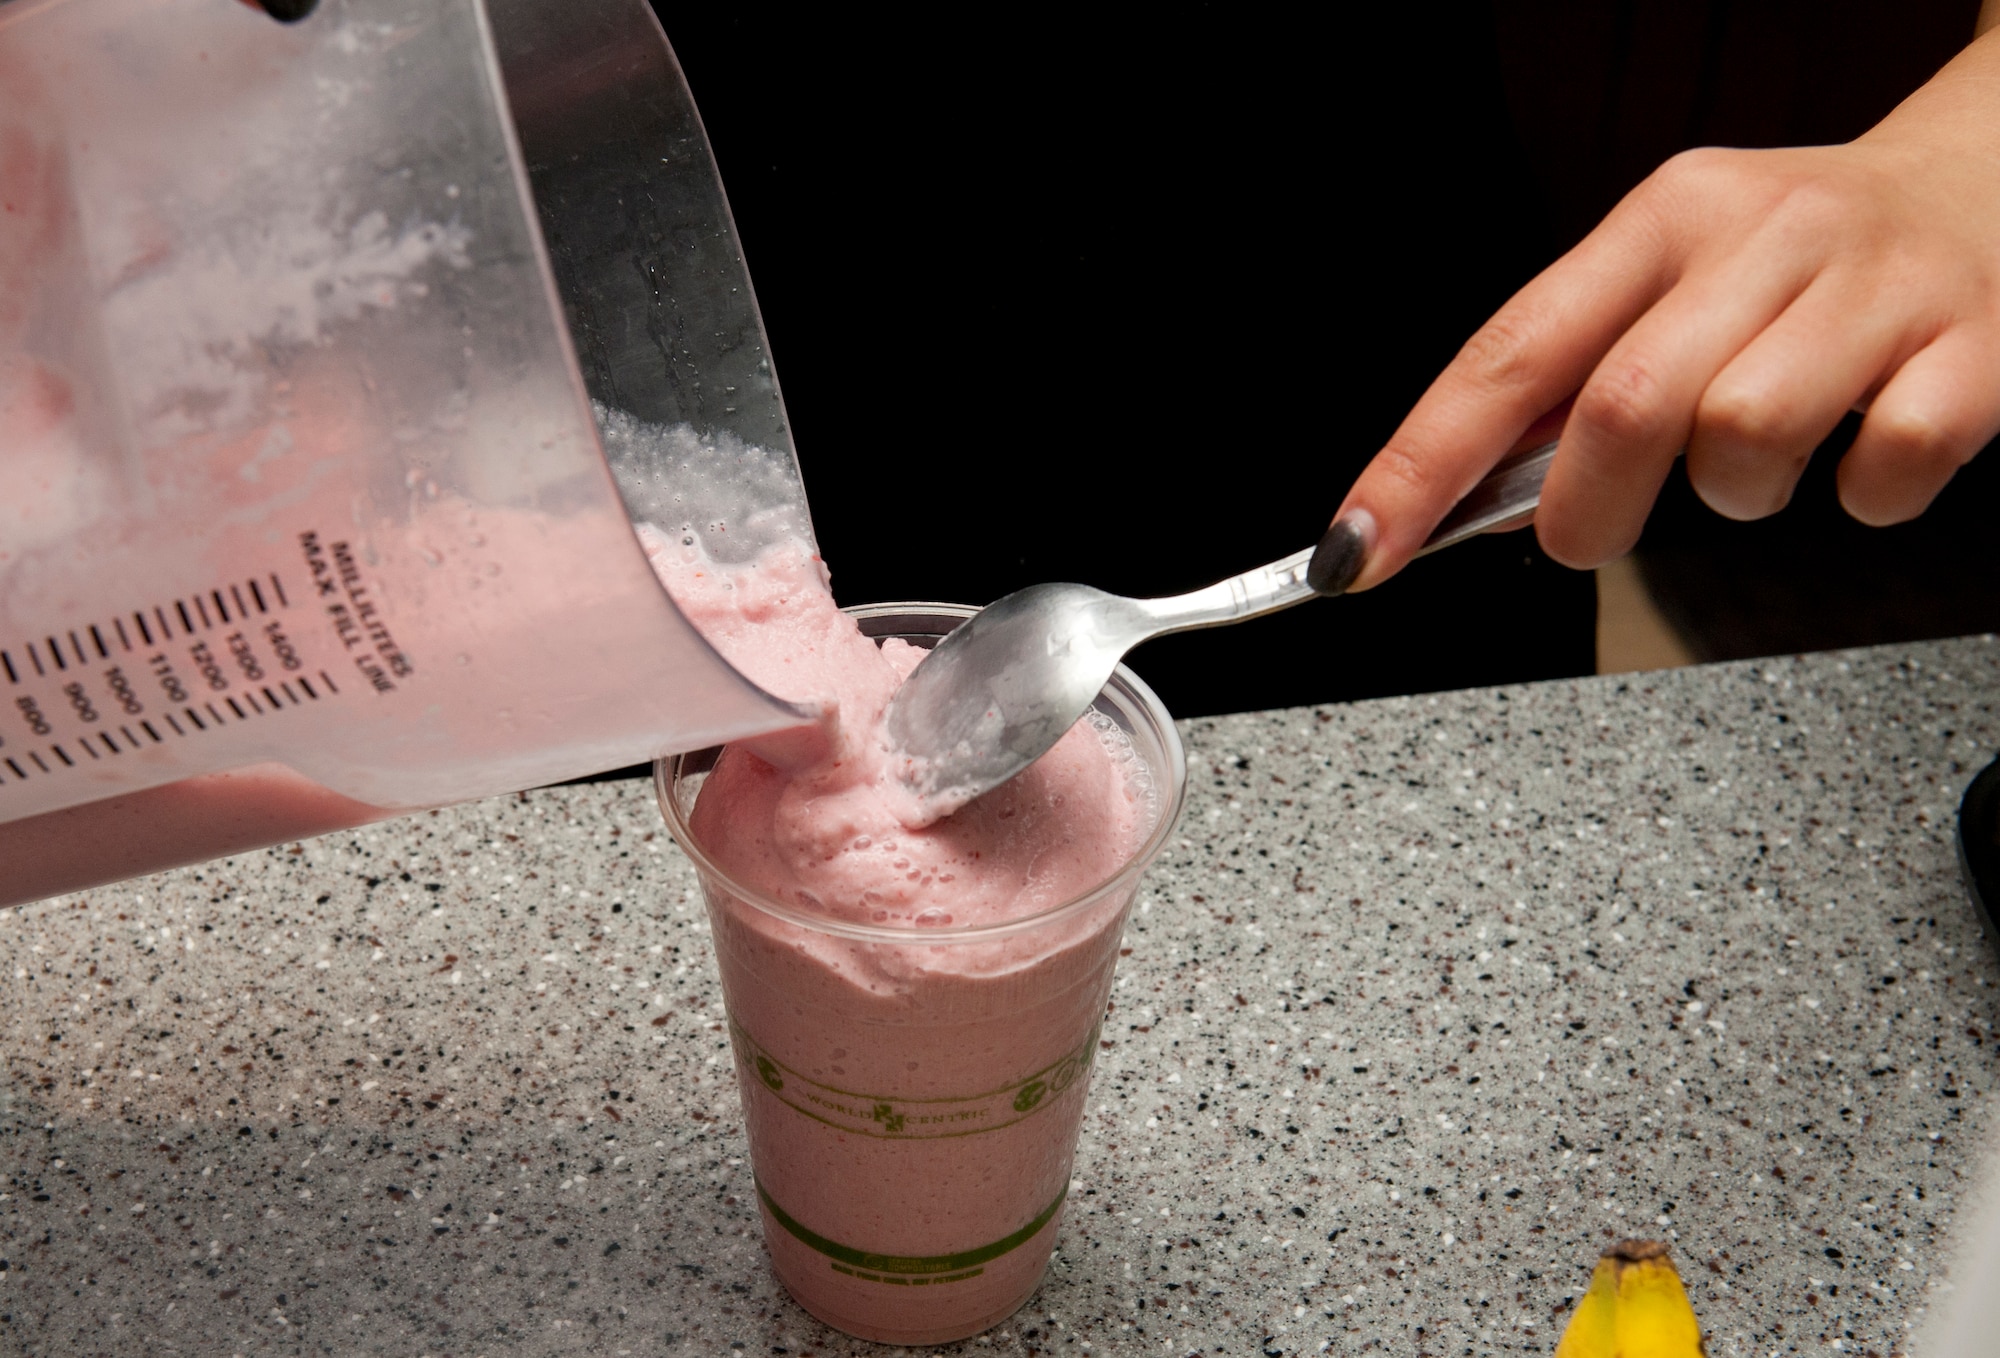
x=1004 y=685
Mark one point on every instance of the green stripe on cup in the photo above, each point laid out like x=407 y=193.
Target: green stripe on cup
x=893 y=1117
x=911 y=1264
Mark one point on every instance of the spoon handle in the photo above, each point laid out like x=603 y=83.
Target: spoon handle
x=1504 y=498
x=1249 y=595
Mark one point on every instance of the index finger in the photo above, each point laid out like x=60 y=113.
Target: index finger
x=1536 y=351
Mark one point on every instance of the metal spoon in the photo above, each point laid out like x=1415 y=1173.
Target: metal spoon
x=1006 y=684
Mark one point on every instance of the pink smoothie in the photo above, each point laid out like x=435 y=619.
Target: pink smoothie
x=912 y=1098
x=163 y=827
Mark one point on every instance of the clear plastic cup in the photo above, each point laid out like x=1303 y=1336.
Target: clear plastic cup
x=913 y=1095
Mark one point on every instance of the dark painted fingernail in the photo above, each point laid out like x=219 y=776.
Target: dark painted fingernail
x=288 y=11
x=1341 y=554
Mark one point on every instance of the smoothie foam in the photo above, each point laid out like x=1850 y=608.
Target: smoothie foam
x=912 y=1092
x=816 y=817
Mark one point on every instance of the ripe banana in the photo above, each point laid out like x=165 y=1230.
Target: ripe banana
x=1635 y=1308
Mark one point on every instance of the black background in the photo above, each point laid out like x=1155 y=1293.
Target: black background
x=1131 y=299
x=1131 y=303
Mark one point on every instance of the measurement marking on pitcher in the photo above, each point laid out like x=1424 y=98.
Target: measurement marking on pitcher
x=89 y=744
x=251 y=668
x=151 y=633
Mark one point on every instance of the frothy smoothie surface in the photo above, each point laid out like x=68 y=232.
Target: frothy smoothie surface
x=816 y=818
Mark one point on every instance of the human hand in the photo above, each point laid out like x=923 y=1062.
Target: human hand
x=1736 y=305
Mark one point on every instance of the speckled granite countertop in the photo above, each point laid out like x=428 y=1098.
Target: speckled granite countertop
x=1429 y=1000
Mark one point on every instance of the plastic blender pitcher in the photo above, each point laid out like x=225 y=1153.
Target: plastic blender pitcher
x=304 y=514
